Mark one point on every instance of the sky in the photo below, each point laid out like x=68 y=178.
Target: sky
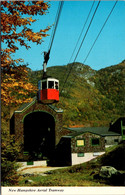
x=108 y=50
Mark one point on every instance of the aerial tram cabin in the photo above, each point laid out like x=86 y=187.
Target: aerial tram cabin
x=48 y=90
x=48 y=87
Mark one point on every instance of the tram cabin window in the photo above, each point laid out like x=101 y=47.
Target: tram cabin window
x=39 y=85
x=51 y=84
x=56 y=85
x=44 y=85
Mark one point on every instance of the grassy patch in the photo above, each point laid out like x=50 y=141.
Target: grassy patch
x=64 y=179
x=109 y=149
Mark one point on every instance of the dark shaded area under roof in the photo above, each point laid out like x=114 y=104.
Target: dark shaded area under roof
x=102 y=131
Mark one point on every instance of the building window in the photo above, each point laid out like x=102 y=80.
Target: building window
x=96 y=154
x=95 y=141
x=30 y=163
x=80 y=154
x=115 y=140
x=80 y=142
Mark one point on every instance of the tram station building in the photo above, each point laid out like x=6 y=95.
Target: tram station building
x=38 y=129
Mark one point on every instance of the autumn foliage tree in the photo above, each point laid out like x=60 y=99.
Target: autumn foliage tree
x=16 y=23
x=16 y=32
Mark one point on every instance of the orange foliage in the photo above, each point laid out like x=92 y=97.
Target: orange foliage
x=76 y=126
x=15 y=84
x=12 y=88
x=12 y=18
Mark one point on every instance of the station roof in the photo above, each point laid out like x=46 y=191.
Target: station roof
x=27 y=105
x=102 y=131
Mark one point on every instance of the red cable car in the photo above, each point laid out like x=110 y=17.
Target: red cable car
x=48 y=90
x=48 y=87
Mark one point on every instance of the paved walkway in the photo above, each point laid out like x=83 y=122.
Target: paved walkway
x=37 y=170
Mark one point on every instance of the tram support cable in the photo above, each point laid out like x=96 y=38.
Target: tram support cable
x=80 y=46
x=47 y=54
x=100 y=31
x=56 y=23
x=95 y=40
x=80 y=36
x=82 y=30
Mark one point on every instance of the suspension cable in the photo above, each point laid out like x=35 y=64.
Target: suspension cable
x=79 y=37
x=82 y=30
x=100 y=31
x=96 y=39
x=80 y=47
x=56 y=23
x=46 y=54
x=87 y=30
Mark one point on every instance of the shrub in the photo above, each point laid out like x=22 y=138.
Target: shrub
x=9 y=166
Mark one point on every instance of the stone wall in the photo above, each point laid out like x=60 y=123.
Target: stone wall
x=88 y=147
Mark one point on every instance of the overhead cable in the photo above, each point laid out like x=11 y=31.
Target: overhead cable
x=56 y=23
x=80 y=34
x=87 y=30
x=100 y=31
x=82 y=30
x=96 y=38
x=80 y=46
